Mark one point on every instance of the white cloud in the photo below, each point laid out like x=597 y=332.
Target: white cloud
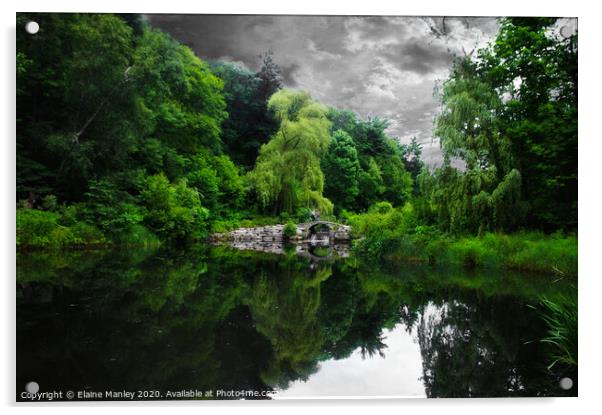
x=397 y=374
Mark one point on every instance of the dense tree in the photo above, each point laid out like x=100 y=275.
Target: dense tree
x=468 y=127
x=510 y=113
x=341 y=168
x=382 y=174
x=174 y=210
x=102 y=108
x=181 y=99
x=76 y=112
x=536 y=69
x=396 y=180
x=249 y=124
x=412 y=158
x=111 y=111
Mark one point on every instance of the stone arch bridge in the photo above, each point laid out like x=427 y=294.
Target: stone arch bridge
x=335 y=231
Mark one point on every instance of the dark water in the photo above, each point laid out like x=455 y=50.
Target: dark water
x=218 y=320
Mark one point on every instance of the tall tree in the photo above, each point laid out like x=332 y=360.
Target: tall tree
x=341 y=168
x=182 y=101
x=270 y=76
x=412 y=158
x=250 y=123
x=382 y=174
x=536 y=70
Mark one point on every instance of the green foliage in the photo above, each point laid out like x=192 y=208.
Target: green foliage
x=397 y=181
x=487 y=195
x=218 y=181
x=538 y=72
x=122 y=103
x=382 y=228
x=249 y=124
x=174 y=211
x=396 y=234
x=371 y=185
x=180 y=99
x=76 y=72
x=287 y=175
x=382 y=174
x=508 y=114
x=560 y=316
x=468 y=126
x=289 y=230
x=42 y=229
x=341 y=169
x=113 y=210
x=140 y=139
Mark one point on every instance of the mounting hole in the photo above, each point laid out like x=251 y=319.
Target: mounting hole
x=567 y=31
x=566 y=383
x=32 y=387
x=32 y=27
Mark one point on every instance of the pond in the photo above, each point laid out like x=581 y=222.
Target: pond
x=213 y=322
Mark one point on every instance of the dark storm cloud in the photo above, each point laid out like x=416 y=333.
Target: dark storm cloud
x=288 y=74
x=420 y=57
x=377 y=66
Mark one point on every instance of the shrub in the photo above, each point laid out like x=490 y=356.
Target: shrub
x=34 y=227
x=174 y=211
x=138 y=235
x=290 y=230
x=38 y=228
x=85 y=234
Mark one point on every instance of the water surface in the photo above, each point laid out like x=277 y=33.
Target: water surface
x=286 y=326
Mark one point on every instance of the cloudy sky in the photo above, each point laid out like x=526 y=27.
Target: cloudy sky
x=396 y=374
x=377 y=66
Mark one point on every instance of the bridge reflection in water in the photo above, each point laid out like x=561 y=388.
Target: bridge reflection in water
x=314 y=250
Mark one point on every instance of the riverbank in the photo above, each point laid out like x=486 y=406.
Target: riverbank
x=528 y=252
x=387 y=233
x=44 y=230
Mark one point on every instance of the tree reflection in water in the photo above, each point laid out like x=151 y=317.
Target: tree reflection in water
x=212 y=317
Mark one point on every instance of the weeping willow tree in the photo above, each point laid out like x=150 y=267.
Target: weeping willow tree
x=287 y=175
x=486 y=194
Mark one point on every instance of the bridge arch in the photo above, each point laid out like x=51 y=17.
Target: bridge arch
x=309 y=228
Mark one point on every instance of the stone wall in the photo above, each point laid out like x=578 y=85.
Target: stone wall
x=274 y=233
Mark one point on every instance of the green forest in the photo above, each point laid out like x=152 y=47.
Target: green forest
x=126 y=137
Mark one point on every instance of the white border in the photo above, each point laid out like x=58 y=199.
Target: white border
x=589 y=200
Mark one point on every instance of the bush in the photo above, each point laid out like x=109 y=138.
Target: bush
x=138 y=235
x=383 y=217
x=38 y=228
x=174 y=211
x=34 y=227
x=290 y=230
x=85 y=234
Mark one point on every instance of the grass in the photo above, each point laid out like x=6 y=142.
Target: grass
x=560 y=316
x=529 y=252
x=388 y=233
